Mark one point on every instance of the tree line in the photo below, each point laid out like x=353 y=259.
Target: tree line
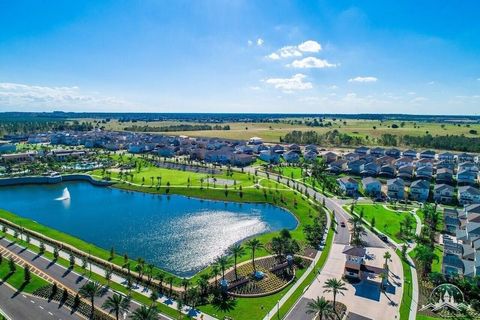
x=178 y=127
x=333 y=137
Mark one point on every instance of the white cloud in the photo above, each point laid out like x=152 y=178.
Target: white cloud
x=363 y=79
x=296 y=51
x=255 y=88
x=250 y=43
x=296 y=82
x=260 y=42
x=17 y=95
x=310 y=46
x=311 y=62
x=274 y=56
x=431 y=83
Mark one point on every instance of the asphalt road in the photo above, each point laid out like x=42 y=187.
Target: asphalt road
x=26 y=307
x=68 y=278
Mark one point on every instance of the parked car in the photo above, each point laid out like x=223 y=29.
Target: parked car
x=383 y=237
x=342 y=224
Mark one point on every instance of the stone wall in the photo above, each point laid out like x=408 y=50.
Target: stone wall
x=52 y=180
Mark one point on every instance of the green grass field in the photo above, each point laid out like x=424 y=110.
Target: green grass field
x=16 y=279
x=386 y=221
x=271 y=132
x=407 y=289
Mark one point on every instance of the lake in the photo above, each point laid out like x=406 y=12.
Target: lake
x=178 y=234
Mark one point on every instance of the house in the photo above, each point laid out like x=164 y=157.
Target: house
x=377 y=152
x=410 y=153
x=255 y=140
x=310 y=156
x=330 y=157
x=468 y=195
x=404 y=161
x=294 y=148
x=338 y=166
x=166 y=151
x=405 y=172
x=424 y=163
x=427 y=154
x=445 y=164
x=444 y=175
x=356 y=266
x=62 y=155
x=370 y=169
x=419 y=190
x=385 y=160
x=362 y=150
x=393 y=152
x=356 y=166
x=466 y=176
x=291 y=156
x=269 y=156
x=137 y=148
x=348 y=186
x=443 y=193
x=388 y=170
x=18 y=157
x=467 y=166
x=7 y=147
x=396 y=188
x=446 y=156
x=241 y=159
x=278 y=149
x=372 y=186
x=465 y=157
x=425 y=172
x=351 y=156
x=311 y=147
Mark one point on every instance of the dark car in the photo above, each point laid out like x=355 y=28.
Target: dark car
x=342 y=224
x=383 y=237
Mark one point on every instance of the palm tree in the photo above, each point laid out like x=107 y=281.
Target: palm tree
x=145 y=313
x=117 y=304
x=253 y=245
x=170 y=283
x=237 y=250
x=387 y=257
x=160 y=277
x=223 y=262
x=215 y=273
x=202 y=282
x=321 y=308
x=335 y=287
x=425 y=256
x=91 y=290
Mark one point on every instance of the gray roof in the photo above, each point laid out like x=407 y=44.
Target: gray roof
x=421 y=184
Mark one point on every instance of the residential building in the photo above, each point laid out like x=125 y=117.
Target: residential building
x=393 y=152
x=338 y=166
x=468 y=195
x=444 y=175
x=362 y=150
x=348 y=186
x=419 y=190
x=466 y=177
x=396 y=189
x=291 y=156
x=372 y=186
x=443 y=193
x=410 y=153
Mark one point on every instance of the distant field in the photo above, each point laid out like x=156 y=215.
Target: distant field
x=271 y=132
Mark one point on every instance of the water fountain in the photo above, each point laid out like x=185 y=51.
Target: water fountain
x=65 y=195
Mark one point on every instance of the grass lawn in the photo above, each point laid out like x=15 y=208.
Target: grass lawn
x=16 y=279
x=437 y=265
x=407 y=289
x=424 y=317
x=387 y=221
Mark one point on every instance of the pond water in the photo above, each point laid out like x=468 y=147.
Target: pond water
x=176 y=233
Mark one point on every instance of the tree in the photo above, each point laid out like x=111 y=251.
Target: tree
x=160 y=277
x=71 y=261
x=237 y=251
x=425 y=255
x=117 y=304
x=202 y=283
x=215 y=273
x=185 y=284
x=108 y=274
x=223 y=262
x=321 y=308
x=335 y=287
x=145 y=313
x=387 y=257
x=254 y=244
x=26 y=274
x=11 y=265
x=91 y=290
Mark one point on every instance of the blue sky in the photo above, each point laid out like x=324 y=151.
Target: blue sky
x=241 y=56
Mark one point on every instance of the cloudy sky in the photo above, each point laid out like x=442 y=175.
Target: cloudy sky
x=241 y=56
